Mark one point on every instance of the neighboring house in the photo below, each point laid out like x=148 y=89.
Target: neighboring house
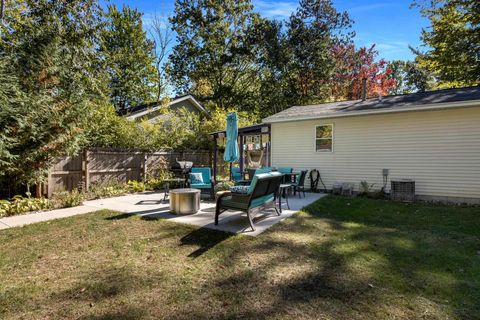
x=152 y=111
x=430 y=137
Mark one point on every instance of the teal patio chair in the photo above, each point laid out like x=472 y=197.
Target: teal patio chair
x=260 y=195
x=287 y=171
x=207 y=183
x=236 y=174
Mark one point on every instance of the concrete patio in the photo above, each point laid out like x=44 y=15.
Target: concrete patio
x=150 y=206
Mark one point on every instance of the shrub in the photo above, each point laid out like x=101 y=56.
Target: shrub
x=21 y=204
x=224 y=186
x=136 y=186
x=365 y=187
x=156 y=182
x=65 y=199
x=106 y=189
x=366 y=190
x=4 y=207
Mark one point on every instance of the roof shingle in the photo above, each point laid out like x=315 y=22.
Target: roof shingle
x=381 y=104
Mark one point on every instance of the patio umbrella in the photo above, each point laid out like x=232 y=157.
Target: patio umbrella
x=231 y=149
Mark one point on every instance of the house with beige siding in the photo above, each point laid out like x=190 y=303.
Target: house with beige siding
x=432 y=138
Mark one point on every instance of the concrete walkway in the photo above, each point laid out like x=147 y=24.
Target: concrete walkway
x=150 y=206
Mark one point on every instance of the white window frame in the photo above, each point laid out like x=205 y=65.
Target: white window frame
x=315 y=138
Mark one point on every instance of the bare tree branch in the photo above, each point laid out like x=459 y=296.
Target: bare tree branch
x=162 y=33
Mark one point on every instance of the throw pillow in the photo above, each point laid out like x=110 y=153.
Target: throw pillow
x=239 y=189
x=196 y=178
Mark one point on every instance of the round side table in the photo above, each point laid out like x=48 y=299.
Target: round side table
x=184 y=201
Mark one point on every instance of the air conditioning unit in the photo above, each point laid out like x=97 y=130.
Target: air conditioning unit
x=403 y=190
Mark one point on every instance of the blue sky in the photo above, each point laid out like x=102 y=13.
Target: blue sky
x=390 y=24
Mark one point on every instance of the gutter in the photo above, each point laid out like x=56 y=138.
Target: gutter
x=436 y=106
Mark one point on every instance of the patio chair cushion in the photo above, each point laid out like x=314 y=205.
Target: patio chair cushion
x=196 y=178
x=200 y=185
x=262 y=200
x=263 y=170
x=236 y=174
x=229 y=202
x=240 y=189
x=206 y=174
x=260 y=176
x=285 y=170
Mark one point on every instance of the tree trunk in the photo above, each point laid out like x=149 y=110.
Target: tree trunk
x=2 y=9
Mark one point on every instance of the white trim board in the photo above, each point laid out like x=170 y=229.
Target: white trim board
x=412 y=108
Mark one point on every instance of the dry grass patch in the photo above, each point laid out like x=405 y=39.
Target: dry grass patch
x=340 y=258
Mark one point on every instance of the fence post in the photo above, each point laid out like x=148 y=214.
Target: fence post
x=49 y=184
x=144 y=164
x=86 y=169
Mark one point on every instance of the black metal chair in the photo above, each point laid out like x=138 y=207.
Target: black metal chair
x=300 y=184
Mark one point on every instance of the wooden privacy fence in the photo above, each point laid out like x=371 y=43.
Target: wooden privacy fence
x=97 y=165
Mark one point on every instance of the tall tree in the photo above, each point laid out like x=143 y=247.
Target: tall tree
x=452 y=40
x=128 y=58
x=352 y=66
x=410 y=77
x=212 y=57
x=313 y=30
x=49 y=62
x=273 y=58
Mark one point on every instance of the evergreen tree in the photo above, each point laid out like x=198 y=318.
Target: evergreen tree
x=313 y=30
x=49 y=62
x=128 y=58
x=452 y=41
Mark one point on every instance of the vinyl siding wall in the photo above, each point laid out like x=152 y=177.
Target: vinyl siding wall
x=439 y=149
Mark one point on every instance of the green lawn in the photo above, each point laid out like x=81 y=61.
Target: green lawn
x=340 y=258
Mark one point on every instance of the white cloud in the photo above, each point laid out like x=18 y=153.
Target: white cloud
x=368 y=7
x=388 y=49
x=275 y=9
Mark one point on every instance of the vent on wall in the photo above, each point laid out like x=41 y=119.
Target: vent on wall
x=403 y=190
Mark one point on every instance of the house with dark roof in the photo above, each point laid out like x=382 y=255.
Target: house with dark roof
x=153 y=111
x=431 y=138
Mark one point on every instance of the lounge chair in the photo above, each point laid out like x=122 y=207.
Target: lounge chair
x=262 y=194
x=207 y=184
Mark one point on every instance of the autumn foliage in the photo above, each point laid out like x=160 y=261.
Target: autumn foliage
x=354 y=65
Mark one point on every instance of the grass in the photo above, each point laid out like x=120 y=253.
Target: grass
x=340 y=258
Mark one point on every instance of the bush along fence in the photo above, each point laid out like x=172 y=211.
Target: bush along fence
x=98 y=165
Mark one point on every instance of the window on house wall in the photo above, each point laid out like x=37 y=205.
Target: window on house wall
x=324 y=138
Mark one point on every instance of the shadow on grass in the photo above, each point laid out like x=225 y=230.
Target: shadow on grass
x=205 y=239
x=358 y=265
x=119 y=216
x=339 y=259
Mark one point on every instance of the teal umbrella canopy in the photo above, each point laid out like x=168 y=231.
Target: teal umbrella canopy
x=231 y=149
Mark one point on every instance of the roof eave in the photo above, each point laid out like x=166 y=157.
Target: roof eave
x=194 y=101
x=436 y=106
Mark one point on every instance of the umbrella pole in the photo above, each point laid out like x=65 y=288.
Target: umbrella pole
x=214 y=157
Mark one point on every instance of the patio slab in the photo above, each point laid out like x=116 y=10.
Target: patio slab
x=150 y=206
